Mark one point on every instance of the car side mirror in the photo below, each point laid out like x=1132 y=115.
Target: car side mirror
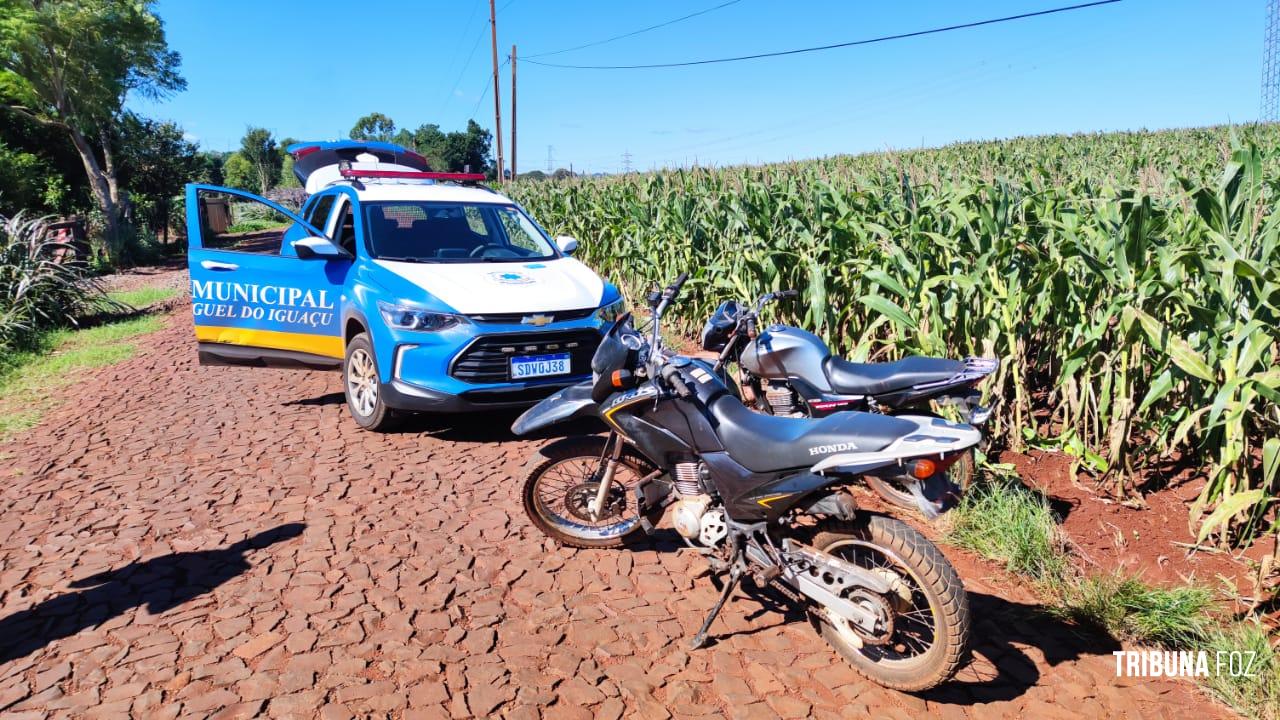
x=317 y=247
x=567 y=244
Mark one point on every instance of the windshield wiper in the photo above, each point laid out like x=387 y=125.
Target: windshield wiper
x=394 y=258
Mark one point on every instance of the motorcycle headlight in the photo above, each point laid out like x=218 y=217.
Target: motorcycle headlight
x=610 y=312
x=407 y=317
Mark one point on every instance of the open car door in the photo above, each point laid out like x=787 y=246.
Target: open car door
x=253 y=304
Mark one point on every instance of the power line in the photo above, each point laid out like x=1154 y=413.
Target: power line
x=940 y=84
x=488 y=81
x=851 y=43
x=636 y=32
x=466 y=65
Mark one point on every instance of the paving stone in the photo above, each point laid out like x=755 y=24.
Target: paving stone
x=413 y=587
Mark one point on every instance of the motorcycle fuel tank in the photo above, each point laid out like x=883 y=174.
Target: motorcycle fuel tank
x=783 y=352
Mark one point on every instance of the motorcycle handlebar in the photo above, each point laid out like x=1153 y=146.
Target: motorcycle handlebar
x=770 y=297
x=671 y=376
x=679 y=283
x=670 y=293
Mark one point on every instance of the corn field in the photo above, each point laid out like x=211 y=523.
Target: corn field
x=1129 y=283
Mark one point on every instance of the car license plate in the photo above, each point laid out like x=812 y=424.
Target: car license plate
x=531 y=366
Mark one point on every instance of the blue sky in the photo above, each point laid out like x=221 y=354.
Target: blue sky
x=310 y=69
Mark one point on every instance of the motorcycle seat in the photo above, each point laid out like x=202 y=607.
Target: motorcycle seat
x=850 y=378
x=766 y=443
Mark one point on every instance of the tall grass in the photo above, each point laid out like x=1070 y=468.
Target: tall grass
x=1006 y=522
x=39 y=287
x=1130 y=283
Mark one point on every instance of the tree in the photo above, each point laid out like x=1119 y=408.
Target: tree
x=70 y=64
x=258 y=148
x=209 y=167
x=430 y=143
x=374 y=126
x=462 y=150
x=287 y=178
x=238 y=173
x=155 y=161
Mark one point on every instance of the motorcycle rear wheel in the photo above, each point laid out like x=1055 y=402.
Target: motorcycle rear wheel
x=961 y=473
x=563 y=478
x=930 y=637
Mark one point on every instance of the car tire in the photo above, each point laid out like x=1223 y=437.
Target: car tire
x=362 y=385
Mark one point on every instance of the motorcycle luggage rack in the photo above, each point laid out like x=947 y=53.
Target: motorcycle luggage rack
x=975 y=368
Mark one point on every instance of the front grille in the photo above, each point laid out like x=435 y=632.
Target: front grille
x=516 y=318
x=488 y=358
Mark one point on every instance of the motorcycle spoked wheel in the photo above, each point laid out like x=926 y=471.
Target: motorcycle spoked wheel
x=562 y=481
x=930 y=630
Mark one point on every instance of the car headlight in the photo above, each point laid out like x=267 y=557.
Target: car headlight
x=610 y=312
x=407 y=317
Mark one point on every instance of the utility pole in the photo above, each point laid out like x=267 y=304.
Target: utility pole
x=550 y=169
x=1270 y=111
x=626 y=163
x=497 y=98
x=513 y=112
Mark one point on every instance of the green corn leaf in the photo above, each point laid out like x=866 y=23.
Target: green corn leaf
x=889 y=309
x=886 y=281
x=1270 y=460
x=1159 y=388
x=1228 y=509
x=1178 y=349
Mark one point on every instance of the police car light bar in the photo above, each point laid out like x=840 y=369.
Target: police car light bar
x=411 y=175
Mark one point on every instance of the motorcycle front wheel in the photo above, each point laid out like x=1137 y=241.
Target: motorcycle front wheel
x=563 y=481
x=929 y=638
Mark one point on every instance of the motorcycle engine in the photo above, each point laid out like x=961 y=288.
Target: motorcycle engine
x=692 y=514
x=782 y=399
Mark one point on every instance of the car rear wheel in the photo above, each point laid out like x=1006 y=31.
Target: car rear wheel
x=361 y=382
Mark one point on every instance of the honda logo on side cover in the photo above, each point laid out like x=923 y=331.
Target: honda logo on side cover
x=828 y=449
x=537 y=320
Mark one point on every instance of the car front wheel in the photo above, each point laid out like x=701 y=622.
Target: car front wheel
x=363 y=388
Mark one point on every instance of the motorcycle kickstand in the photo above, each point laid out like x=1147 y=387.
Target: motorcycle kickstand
x=700 y=639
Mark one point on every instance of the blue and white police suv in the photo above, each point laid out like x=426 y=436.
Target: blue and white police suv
x=431 y=293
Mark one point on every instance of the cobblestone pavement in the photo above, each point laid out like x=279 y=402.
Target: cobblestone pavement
x=224 y=542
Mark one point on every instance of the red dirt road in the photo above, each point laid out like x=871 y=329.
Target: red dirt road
x=180 y=541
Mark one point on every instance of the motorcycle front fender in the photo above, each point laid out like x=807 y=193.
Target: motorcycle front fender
x=566 y=404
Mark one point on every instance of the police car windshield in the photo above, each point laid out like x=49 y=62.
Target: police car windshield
x=420 y=231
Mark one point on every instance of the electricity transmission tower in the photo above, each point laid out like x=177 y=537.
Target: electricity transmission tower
x=626 y=156
x=550 y=169
x=1270 y=111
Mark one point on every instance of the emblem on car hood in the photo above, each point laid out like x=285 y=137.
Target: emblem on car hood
x=537 y=320
x=510 y=278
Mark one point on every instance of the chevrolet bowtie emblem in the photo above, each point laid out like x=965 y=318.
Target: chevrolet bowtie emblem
x=536 y=320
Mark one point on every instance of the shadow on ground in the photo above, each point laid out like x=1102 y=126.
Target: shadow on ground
x=161 y=584
x=1001 y=670
x=468 y=427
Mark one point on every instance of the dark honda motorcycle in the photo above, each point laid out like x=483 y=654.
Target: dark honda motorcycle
x=760 y=497
x=792 y=373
